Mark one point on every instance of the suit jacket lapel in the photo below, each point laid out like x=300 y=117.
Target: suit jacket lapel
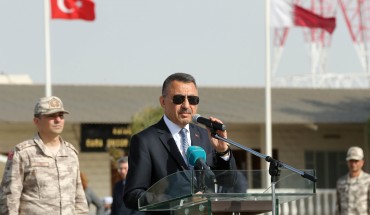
x=195 y=136
x=167 y=140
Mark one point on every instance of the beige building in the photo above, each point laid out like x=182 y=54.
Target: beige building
x=312 y=128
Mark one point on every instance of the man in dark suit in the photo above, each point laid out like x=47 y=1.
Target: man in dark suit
x=158 y=151
x=118 y=207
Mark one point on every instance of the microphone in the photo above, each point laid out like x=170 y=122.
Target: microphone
x=204 y=121
x=196 y=157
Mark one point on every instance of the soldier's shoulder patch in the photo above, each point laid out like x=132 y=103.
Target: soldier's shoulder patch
x=10 y=155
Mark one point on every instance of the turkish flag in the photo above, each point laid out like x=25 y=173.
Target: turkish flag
x=73 y=9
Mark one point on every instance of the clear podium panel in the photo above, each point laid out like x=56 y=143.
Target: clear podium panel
x=243 y=206
x=206 y=192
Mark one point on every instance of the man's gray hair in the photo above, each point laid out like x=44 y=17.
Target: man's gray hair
x=182 y=77
x=123 y=159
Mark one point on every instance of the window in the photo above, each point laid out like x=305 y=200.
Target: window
x=329 y=166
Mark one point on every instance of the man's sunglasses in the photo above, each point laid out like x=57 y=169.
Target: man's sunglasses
x=179 y=99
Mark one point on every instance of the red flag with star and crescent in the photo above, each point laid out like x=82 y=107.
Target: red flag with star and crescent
x=73 y=9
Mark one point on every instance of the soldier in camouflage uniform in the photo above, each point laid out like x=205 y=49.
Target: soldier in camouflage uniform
x=42 y=175
x=353 y=189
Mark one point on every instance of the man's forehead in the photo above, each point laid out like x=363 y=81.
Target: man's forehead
x=181 y=87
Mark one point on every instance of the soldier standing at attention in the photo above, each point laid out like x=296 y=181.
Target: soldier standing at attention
x=353 y=189
x=42 y=175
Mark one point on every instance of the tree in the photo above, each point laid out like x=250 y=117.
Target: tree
x=145 y=118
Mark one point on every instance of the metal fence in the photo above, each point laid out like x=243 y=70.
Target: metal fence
x=322 y=203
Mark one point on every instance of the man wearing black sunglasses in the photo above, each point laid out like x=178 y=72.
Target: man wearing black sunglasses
x=157 y=151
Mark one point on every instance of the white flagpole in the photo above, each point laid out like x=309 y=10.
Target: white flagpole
x=268 y=144
x=47 y=48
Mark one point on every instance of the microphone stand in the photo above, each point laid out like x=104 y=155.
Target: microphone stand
x=274 y=170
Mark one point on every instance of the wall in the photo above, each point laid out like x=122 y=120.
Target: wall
x=291 y=141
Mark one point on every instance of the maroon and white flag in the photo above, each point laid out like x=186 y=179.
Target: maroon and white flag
x=286 y=14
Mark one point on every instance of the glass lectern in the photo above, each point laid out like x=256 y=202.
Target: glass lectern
x=223 y=192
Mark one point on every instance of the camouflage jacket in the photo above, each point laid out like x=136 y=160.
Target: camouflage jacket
x=353 y=195
x=35 y=182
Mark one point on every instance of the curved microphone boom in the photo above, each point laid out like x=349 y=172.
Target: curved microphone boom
x=207 y=122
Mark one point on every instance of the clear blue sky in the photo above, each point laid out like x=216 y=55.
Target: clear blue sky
x=140 y=42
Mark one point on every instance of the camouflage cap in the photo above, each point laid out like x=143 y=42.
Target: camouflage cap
x=355 y=153
x=49 y=105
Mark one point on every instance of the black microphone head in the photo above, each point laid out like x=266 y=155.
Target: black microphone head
x=195 y=118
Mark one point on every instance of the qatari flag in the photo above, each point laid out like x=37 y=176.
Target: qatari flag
x=286 y=14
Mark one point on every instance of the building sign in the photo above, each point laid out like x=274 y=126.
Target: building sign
x=100 y=137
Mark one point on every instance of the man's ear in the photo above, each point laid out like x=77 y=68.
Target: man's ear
x=36 y=120
x=161 y=101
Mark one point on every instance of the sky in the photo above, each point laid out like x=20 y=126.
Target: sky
x=141 y=42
